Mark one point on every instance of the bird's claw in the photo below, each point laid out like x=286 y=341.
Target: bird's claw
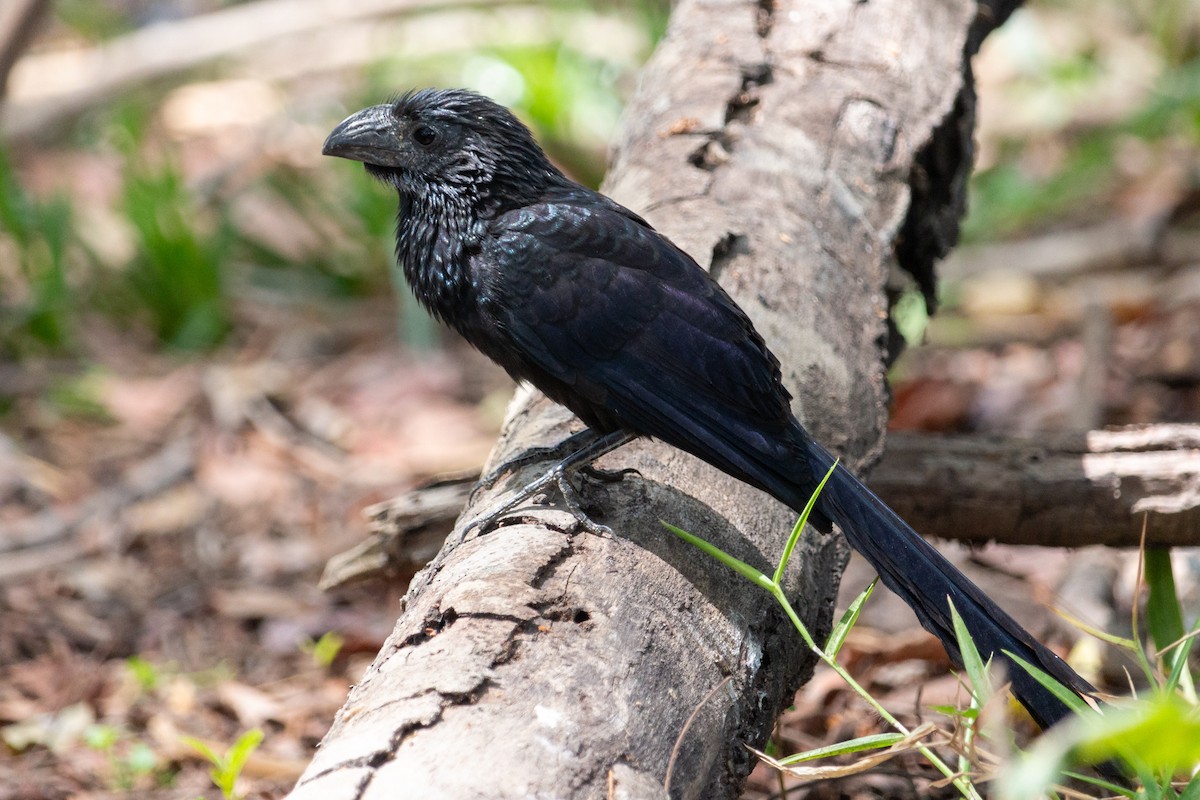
x=608 y=475
x=532 y=455
x=570 y=495
x=579 y=460
x=575 y=505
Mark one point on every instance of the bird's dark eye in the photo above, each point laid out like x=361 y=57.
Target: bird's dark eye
x=424 y=135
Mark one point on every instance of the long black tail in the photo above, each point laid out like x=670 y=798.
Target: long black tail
x=913 y=569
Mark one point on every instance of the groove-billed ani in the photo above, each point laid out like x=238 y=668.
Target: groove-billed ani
x=570 y=291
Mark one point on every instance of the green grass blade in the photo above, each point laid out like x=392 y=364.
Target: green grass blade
x=1107 y=786
x=1192 y=790
x=201 y=748
x=973 y=663
x=1182 y=651
x=1072 y=700
x=1104 y=636
x=1163 y=614
x=841 y=630
x=240 y=752
x=798 y=528
x=874 y=742
x=740 y=567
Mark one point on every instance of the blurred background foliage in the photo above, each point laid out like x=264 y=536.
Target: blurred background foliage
x=165 y=200
x=1098 y=99
x=161 y=207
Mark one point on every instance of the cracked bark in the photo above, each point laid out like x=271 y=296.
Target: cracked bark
x=777 y=141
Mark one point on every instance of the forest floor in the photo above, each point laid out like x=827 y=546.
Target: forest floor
x=163 y=544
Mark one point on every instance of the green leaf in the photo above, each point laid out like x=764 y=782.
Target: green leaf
x=145 y=673
x=201 y=748
x=141 y=759
x=101 y=737
x=1104 y=636
x=1162 y=733
x=841 y=630
x=325 y=649
x=874 y=742
x=1182 y=652
x=981 y=686
x=1107 y=786
x=1163 y=613
x=235 y=759
x=741 y=567
x=1072 y=700
x=798 y=528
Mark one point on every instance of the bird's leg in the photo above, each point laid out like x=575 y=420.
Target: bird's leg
x=563 y=449
x=559 y=475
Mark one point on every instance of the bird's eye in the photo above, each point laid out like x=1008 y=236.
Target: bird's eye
x=424 y=135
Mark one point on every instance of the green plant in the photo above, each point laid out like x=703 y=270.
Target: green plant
x=128 y=759
x=1156 y=735
x=227 y=766
x=903 y=739
x=145 y=674
x=324 y=650
x=39 y=239
x=177 y=276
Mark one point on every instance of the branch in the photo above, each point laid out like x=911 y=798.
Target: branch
x=19 y=20
x=1069 y=490
x=95 y=75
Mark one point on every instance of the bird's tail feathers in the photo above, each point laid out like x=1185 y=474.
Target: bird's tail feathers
x=925 y=580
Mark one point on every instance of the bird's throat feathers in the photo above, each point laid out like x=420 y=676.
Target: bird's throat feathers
x=432 y=247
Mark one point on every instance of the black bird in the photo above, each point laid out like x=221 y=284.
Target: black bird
x=568 y=290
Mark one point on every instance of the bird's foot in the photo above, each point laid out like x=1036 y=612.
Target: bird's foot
x=559 y=476
x=557 y=452
x=574 y=504
x=607 y=475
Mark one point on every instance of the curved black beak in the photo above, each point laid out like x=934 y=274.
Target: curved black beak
x=368 y=136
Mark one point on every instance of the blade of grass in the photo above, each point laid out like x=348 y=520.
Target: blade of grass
x=1072 y=700
x=1091 y=630
x=837 y=637
x=972 y=661
x=1140 y=651
x=1180 y=676
x=740 y=567
x=1107 y=786
x=798 y=528
x=874 y=742
x=1165 y=617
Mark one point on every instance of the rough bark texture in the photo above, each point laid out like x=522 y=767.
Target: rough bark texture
x=1071 y=490
x=777 y=143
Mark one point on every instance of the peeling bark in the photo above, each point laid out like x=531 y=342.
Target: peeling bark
x=777 y=142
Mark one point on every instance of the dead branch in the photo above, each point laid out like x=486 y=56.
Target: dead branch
x=1069 y=490
x=168 y=48
x=18 y=22
x=1066 y=490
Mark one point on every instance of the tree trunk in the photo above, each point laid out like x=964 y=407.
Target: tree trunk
x=799 y=150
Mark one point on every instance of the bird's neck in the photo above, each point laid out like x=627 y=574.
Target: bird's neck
x=433 y=235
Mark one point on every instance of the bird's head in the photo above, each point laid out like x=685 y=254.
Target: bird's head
x=445 y=143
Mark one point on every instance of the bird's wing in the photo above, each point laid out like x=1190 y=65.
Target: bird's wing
x=613 y=318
